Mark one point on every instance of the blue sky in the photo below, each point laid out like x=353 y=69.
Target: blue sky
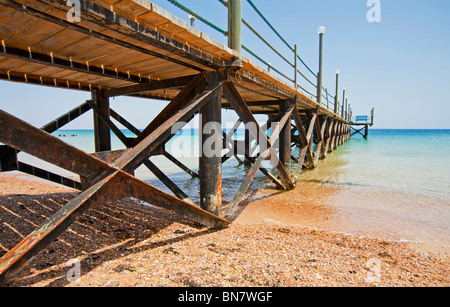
x=400 y=66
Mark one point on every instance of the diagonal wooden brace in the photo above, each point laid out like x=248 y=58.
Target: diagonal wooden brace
x=18 y=256
x=320 y=131
x=107 y=181
x=306 y=138
x=232 y=95
x=257 y=164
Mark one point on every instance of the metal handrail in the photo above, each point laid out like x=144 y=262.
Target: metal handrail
x=205 y=21
x=265 y=42
x=266 y=63
x=329 y=98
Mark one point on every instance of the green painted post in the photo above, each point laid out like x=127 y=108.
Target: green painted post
x=346 y=108
x=320 y=31
x=336 y=102
x=295 y=66
x=372 y=114
x=235 y=26
x=192 y=19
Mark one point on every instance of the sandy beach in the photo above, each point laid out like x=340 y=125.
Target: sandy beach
x=127 y=243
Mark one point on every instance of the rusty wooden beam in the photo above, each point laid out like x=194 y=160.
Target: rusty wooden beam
x=46 y=147
x=329 y=131
x=105 y=118
x=46 y=81
x=124 y=122
x=194 y=88
x=167 y=182
x=320 y=130
x=150 y=86
x=306 y=140
x=232 y=95
x=228 y=140
x=210 y=161
x=44 y=174
x=100 y=16
x=55 y=61
x=251 y=160
x=180 y=110
x=179 y=164
x=106 y=180
x=8 y=159
x=284 y=144
x=66 y=118
x=102 y=132
x=258 y=162
x=18 y=256
x=145 y=192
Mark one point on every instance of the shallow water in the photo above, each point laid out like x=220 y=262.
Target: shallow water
x=395 y=185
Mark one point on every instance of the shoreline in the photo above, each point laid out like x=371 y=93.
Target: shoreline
x=302 y=207
x=126 y=243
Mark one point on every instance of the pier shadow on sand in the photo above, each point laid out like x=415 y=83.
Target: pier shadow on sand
x=104 y=233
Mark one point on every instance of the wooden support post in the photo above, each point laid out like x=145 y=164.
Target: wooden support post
x=338 y=135
x=8 y=159
x=328 y=138
x=345 y=132
x=333 y=136
x=104 y=180
x=306 y=139
x=285 y=138
x=320 y=130
x=210 y=166
x=247 y=143
x=257 y=163
x=232 y=95
x=348 y=132
x=102 y=133
x=228 y=141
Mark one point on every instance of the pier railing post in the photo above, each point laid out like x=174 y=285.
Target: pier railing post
x=285 y=139
x=295 y=66
x=343 y=102
x=247 y=144
x=320 y=31
x=102 y=133
x=336 y=97
x=346 y=108
x=235 y=26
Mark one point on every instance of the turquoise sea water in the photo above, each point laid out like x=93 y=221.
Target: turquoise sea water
x=396 y=184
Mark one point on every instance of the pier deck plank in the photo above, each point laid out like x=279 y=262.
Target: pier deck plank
x=160 y=33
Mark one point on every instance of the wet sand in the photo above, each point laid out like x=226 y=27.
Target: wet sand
x=277 y=239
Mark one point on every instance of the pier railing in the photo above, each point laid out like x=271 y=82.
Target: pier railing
x=137 y=37
x=294 y=68
x=363 y=119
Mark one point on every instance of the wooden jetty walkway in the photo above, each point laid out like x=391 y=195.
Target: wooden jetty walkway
x=135 y=48
x=362 y=122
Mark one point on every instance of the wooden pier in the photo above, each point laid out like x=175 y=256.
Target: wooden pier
x=362 y=122
x=134 y=48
